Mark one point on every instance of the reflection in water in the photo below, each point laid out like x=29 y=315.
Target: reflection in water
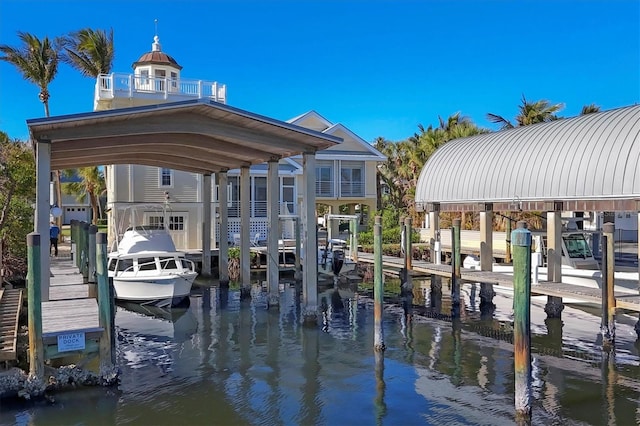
x=226 y=361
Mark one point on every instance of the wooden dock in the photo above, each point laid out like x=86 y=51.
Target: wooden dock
x=10 y=307
x=630 y=302
x=72 y=308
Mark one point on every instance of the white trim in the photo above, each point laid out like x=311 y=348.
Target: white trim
x=331 y=130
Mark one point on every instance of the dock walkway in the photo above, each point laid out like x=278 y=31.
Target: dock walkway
x=630 y=302
x=72 y=308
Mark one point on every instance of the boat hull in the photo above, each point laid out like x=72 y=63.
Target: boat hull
x=162 y=291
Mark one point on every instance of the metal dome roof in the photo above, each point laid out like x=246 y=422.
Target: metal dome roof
x=590 y=157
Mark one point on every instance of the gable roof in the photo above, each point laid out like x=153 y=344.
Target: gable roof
x=370 y=152
x=199 y=136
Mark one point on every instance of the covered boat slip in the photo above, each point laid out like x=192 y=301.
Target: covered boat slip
x=196 y=136
x=586 y=163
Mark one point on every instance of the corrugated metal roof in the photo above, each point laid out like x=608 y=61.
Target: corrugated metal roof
x=589 y=157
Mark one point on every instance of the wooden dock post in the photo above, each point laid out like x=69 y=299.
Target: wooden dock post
x=34 y=301
x=456 y=260
x=84 y=266
x=91 y=271
x=298 y=272
x=73 y=229
x=105 y=306
x=354 y=240
x=406 y=292
x=378 y=289
x=521 y=242
x=507 y=254
x=608 y=327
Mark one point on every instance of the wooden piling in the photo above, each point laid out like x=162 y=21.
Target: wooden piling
x=105 y=310
x=608 y=327
x=507 y=255
x=456 y=260
x=354 y=240
x=84 y=266
x=378 y=341
x=91 y=271
x=521 y=245
x=34 y=301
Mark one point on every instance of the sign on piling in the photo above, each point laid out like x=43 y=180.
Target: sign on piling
x=521 y=251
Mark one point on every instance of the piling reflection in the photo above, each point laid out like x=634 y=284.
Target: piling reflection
x=379 y=402
x=249 y=364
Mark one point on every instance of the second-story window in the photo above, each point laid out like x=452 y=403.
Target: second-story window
x=174 y=79
x=352 y=179
x=166 y=178
x=324 y=179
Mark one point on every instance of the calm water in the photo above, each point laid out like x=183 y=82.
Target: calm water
x=223 y=361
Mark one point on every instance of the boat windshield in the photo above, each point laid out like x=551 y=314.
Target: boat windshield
x=167 y=263
x=577 y=246
x=146 y=264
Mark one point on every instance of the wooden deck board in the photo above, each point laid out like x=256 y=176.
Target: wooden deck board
x=625 y=301
x=69 y=315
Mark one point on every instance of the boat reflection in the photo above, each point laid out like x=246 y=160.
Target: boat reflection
x=177 y=323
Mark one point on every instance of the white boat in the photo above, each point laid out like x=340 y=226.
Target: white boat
x=146 y=268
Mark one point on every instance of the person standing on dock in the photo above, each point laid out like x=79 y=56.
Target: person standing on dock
x=54 y=233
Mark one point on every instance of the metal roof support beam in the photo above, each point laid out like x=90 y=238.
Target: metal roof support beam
x=223 y=240
x=273 y=234
x=206 y=225
x=43 y=211
x=554 y=241
x=486 y=236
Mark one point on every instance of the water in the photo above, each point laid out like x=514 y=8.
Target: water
x=223 y=361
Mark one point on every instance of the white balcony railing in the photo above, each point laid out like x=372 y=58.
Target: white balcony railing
x=110 y=86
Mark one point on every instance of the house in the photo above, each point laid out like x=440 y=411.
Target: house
x=346 y=174
x=75 y=206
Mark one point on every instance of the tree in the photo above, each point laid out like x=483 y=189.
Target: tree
x=91 y=186
x=589 y=109
x=90 y=52
x=406 y=159
x=17 y=180
x=541 y=111
x=37 y=61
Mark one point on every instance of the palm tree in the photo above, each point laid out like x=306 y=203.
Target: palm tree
x=589 y=109
x=90 y=52
x=37 y=61
x=91 y=185
x=541 y=111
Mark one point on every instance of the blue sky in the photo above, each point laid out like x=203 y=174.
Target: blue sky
x=378 y=67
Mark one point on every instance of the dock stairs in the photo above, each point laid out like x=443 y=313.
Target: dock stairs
x=10 y=307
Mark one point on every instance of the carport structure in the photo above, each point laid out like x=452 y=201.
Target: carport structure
x=198 y=136
x=586 y=163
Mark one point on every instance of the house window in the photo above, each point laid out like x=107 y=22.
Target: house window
x=324 y=179
x=352 y=179
x=166 y=178
x=176 y=223
x=144 y=77
x=287 y=195
x=174 y=80
x=160 y=76
x=259 y=197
